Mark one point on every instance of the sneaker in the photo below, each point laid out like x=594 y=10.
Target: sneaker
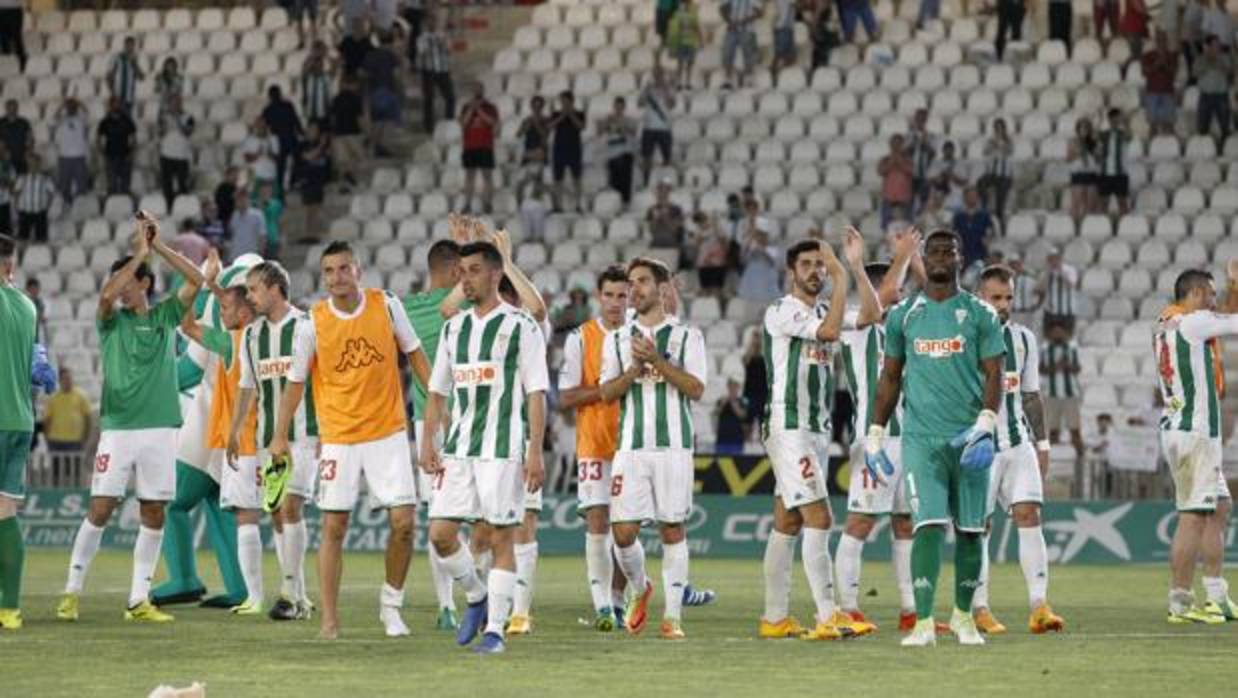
x=146 y=612
x=923 y=634
x=393 y=624
x=10 y=619
x=67 y=608
x=849 y=627
x=251 y=607
x=824 y=631
x=787 y=627
x=963 y=625
x=284 y=609
x=693 y=597
x=1043 y=620
x=475 y=617
x=604 y=621
x=638 y=607
x=907 y=623
x=1227 y=609
x=986 y=622
x=305 y=610
x=859 y=617
x=446 y=619
x=671 y=630
x=519 y=625
x=1195 y=614
x=491 y=643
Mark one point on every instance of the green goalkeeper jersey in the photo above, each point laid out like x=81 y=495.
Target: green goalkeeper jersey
x=941 y=345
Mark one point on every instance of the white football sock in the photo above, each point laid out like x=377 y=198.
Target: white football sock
x=526 y=574
x=632 y=563
x=981 y=598
x=390 y=601
x=674 y=577
x=599 y=568
x=484 y=562
x=501 y=585
x=847 y=563
x=280 y=550
x=816 y=552
x=145 y=557
x=1034 y=559
x=1216 y=588
x=460 y=566
x=85 y=545
x=779 y=557
x=249 y=554
x=901 y=553
x=295 y=542
x=1180 y=600
x=442 y=581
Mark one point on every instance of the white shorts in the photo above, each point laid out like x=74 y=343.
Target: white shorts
x=148 y=454
x=1195 y=464
x=800 y=460
x=1015 y=478
x=473 y=489
x=425 y=481
x=241 y=488
x=867 y=496
x=385 y=464
x=652 y=486
x=592 y=483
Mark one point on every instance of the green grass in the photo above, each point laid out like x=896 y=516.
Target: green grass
x=1116 y=642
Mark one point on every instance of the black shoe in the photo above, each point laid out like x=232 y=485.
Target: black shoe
x=283 y=610
x=191 y=596
x=221 y=601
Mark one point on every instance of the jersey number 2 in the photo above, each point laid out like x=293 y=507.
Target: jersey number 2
x=806 y=469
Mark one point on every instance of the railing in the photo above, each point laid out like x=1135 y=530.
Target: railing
x=59 y=469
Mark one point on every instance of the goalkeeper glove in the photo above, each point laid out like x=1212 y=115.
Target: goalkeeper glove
x=42 y=375
x=977 y=442
x=875 y=459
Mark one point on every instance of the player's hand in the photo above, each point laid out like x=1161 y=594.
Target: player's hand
x=644 y=350
x=534 y=470
x=279 y=446
x=879 y=466
x=906 y=242
x=210 y=272
x=833 y=267
x=457 y=228
x=233 y=451
x=853 y=247
x=430 y=461
x=148 y=229
x=977 y=442
x=503 y=242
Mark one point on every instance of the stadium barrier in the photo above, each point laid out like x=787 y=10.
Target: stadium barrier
x=1088 y=532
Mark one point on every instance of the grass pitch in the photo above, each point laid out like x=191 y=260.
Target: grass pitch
x=1117 y=642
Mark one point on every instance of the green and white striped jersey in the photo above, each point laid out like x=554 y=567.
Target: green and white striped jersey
x=798 y=368
x=487 y=365
x=863 y=356
x=1187 y=364
x=268 y=356
x=1057 y=365
x=1020 y=374
x=653 y=414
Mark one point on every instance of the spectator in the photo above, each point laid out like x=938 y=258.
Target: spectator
x=740 y=16
x=33 y=290
x=34 y=191
x=533 y=211
x=479 y=125
x=8 y=176
x=12 y=41
x=534 y=133
x=1061 y=17
x=382 y=68
x=175 y=151
x=658 y=101
x=756 y=386
x=1215 y=20
x=662 y=12
x=1026 y=293
x=824 y=34
x=125 y=73
x=1114 y=182
x=281 y=117
x=117 y=139
x=67 y=424
x=1169 y=20
x=17 y=135
x=1192 y=35
x=711 y=256
x=225 y=195
x=852 y=11
x=731 y=412
x=354 y=11
x=169 y=83
x=567 y=124
x=970 y=278
x=1106 y=12
x=1010 y=15
x=998 y=170
x=1059 y=367
x=1160 y=97
x=947 y=175
x=382 y=16
x=896 y=182
x=315 y=86
x=272 y=209
x=618 y=130
x=434 y=62
x=212 y=226
x=665 y=219
x=974 y=225
x=1134 y=26
x=922 y=149
x=1082 y=154
x=784 y=36
x=684 y=37
x=576 y=313
x=190 y=242
x=930 y=10
x=315 y=171
x=935 y=214
x=347 y=124
x=353 y=49
x=414 y=13
x=303 y=12
x=760 y=282
x=247 y=228
x=1058 y=287
x=259 y=151
x=72 y=136
x=1212 y=76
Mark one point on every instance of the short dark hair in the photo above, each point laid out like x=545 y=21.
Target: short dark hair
x=568 y=94
x=876 y=271
x=944 y=232
x=442 y=254
x=338 y=247
x=488 y=252
x=8 y=246
x=142 y=272
x=33 y=282
x=1001 y=272
x=661 y=273
x=612 y=274
x=1190 y=280
x=272 y=273
x=799 y=248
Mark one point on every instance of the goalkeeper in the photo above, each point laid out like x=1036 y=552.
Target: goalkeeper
x=943 y=353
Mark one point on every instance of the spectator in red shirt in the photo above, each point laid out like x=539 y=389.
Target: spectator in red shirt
x=1160 y=99
x=896 y=190
x=479 y=122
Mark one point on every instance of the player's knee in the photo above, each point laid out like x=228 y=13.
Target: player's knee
x=100 y=511
x=1026 y=515
x=816 y=515
x=151 y=514
x=444 y=539
x=901 y=527
x=334 y=528
x=860 y=526
x=290 y=512
x=247 y=517
x=673 y=533
x=597 y=521
x=624 y=536
x=401 y=523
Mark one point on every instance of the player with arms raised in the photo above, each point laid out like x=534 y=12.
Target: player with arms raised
x=943 y=356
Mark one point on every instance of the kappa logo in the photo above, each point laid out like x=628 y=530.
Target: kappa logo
x=940 y=348
x=1089 y=527
x=358 y=353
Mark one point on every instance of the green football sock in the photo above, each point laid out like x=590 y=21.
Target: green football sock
x=926 y=567
x=192 y=487
x=967 y=562
x=12 y=559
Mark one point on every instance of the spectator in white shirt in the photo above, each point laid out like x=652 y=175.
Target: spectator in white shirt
x=533 y=211
x=1215 y=20
x=72 y=136
x=657 y=100
x=259 y=150
x=175 y=150
x=1059 y=287
x=33 y=192
x=618 y=130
